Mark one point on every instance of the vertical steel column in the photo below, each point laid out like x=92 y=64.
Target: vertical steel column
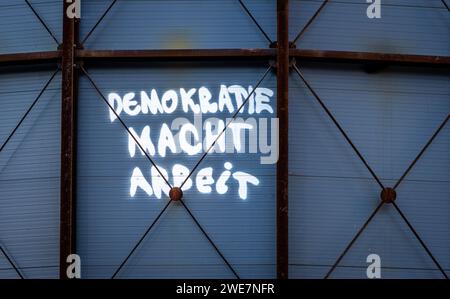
x=282 y=111
x=68 y=118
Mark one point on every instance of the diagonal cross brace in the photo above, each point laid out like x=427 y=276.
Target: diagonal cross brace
x=42 y=22
x=141 y=239
x=245 y=8
x=98 y=22
x=422 y=243
x=108 y=9
x=227 y=125
x=360 y=231
x=124 y=125
x=350 y=244
x=10 y=261
x=166 y=181
x=347 y=138
x=310 y=21
x=29 y=110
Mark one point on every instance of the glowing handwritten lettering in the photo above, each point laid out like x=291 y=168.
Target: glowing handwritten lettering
x=213 y=127
x=194 y=138
x=233 y=141
x=169 y=102
x=144 y=140
x=184 y=144
x=166 y=141
x=204 y=180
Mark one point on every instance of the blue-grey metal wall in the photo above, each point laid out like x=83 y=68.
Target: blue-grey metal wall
x=29 y=175
x=110 y=221
x=389 y=115
x=20 y=29
x=406 y=26
x=29 y=161
x=178 y=24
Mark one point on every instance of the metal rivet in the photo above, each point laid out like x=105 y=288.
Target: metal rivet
x=175 y=193
x=388 y=195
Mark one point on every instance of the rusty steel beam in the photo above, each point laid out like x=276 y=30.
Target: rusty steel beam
x=283 y=116
x=68 y=134
x=31 y=58
x=299 y=54
x=369 y=57
x=178 y=53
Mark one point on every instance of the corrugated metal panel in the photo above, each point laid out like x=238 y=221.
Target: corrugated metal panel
x=110 y=221
x=389 y=116
x=175 y=24
x=29 y=175
x=406 y=26
x=20 y=29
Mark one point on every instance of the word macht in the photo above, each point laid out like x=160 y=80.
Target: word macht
x=194 y=138
x=230 y=99
x=204 y=180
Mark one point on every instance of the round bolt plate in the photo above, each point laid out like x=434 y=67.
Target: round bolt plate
x=175 y=194
x=388 y=195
